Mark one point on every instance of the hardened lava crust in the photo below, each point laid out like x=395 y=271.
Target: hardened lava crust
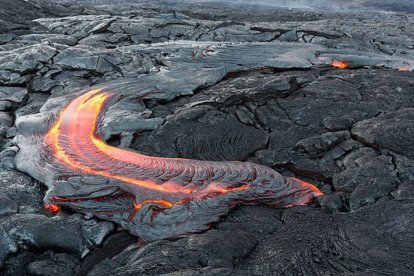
x=167 y=138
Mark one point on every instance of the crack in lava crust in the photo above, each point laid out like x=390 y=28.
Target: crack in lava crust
x=152 y=197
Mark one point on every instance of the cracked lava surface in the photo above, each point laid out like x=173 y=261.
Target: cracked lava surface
x=117 y=117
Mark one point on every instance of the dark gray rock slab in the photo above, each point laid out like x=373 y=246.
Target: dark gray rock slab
x=318 y=145
x=64 y=234
x=203 y=133
x=12 y=97
x=405 y=191
x=54 y=264
x=4 y=38
x=16 y=264
x=28 y=230
x=257 y=221
x=96 y=231
x=83 y=59
x=26 y=59
x=78 y=26
x=12 y=78
x=6 y=120
x=49 y=38
x=334 y=202
x=7 y=206
x=392 y=131
x=214 y=249
x=7 y=246
x=404 y=166
x=369 y=241
x=344 y=122
x=368 y=179
x=22 y=189
x=128 y=117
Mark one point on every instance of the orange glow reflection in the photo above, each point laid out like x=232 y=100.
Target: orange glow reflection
x=406 y=68
x=52 y=207
x=164 y=203
x=343 y=64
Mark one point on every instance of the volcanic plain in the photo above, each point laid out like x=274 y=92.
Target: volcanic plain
x=325 y=97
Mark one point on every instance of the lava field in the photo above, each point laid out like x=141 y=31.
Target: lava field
x=220 y=138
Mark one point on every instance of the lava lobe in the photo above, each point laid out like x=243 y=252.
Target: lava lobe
x=152 y=197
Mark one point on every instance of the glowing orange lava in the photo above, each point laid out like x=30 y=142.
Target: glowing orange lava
x=52 y=207
x=74 y=141
x=343 y=64
x=406 y=68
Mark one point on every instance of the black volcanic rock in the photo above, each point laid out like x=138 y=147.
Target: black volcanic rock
x=29 y=231
x=393 y=131
x=7 y=206
x=369 y=178
x=70 y=234
x=219 y=81
x=56 y=264
x=371 y=241
x=405 y=191
x=204 y=134
x=317 y=145
x=11 y=97
x=214 y=249
x=7 y=246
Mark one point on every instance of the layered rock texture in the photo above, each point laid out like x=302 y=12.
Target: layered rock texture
x=214 y=83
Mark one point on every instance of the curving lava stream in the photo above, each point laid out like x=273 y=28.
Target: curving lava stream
x=152 y=197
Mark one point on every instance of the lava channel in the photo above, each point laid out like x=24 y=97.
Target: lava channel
x=152 y=197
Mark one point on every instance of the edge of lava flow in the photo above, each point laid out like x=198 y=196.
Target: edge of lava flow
x=152 y=197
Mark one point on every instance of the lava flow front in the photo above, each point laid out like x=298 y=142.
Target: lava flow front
x=153 y=197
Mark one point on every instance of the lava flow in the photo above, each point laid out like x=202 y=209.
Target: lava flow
x=152 y=197
x=341 y=64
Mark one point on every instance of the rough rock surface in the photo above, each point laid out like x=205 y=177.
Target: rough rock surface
x=220 y=82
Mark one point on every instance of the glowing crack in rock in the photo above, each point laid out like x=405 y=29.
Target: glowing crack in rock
x=341 y=64
x=152 y=197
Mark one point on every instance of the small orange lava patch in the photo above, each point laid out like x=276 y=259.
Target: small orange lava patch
x=52 y=208
x=406 y=68
x=341 y=64
x=166 y=204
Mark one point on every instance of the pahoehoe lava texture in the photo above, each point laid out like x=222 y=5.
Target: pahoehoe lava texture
x=200 y=135
x=206 y=82
x=152 y=197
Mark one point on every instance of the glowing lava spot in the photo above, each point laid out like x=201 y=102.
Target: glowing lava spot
x=341 y=64
x=406 y=67
x=152 y=197
x=52 y=207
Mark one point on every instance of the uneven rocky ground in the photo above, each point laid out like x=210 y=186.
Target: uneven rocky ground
x=216 y=82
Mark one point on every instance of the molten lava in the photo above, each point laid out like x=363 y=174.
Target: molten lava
x=52 y=207
x=343 y=64
x=153 y=197
x=406 y=68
